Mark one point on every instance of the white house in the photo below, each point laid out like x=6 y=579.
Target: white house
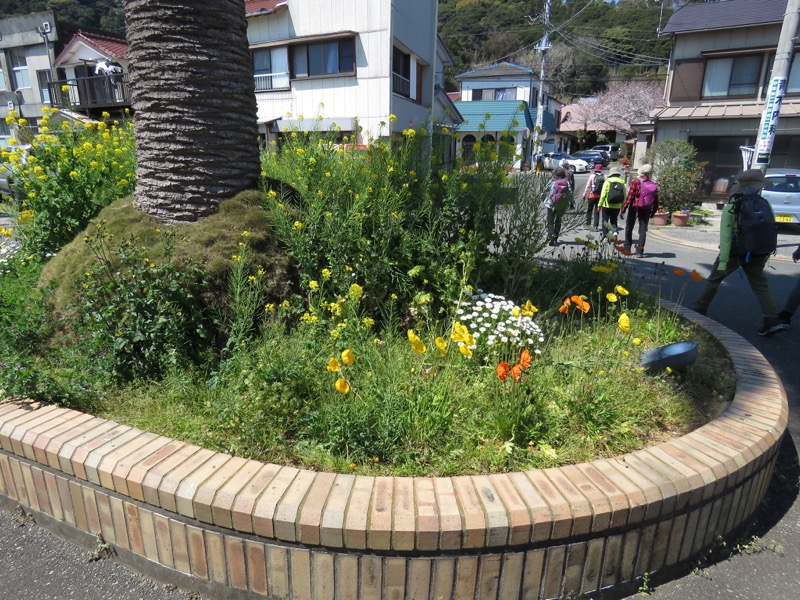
x=343 y=64
x=85 y=67
x=500 y=101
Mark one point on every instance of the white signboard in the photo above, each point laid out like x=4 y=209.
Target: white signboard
x=769 y=120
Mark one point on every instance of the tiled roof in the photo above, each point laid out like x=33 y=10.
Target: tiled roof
x=252 y=7
x=727 y=14
x=744 y=110
x=108 y=46
x=503 y=69
x=502 y=113
x=454 y=96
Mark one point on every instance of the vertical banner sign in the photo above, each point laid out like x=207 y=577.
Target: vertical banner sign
x=769 y=120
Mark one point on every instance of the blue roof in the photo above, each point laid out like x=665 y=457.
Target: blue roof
x=502 y=115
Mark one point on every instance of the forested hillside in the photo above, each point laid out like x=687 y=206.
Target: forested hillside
x=94 y=14
x=592 y=41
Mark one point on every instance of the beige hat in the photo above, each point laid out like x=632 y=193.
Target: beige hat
x=615 y=173
x=645 y=169
x=751 y=180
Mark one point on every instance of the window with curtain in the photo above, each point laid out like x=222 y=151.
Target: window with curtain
x=792 y=84
x=324 y=58
x=732 y=76
x=271 y=69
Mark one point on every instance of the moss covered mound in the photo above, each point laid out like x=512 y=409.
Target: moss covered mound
x=210 y=242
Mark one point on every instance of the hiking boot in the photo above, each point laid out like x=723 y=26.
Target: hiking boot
x=772 y=325
x=553 y=242
x=785 y=317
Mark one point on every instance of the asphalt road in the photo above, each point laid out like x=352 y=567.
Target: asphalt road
x=764 y=563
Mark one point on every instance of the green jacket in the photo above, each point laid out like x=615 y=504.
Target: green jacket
x=603 y=202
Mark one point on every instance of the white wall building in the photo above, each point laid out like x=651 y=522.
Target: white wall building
x=340 y=64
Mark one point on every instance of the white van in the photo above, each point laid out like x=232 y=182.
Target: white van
x=612 y=149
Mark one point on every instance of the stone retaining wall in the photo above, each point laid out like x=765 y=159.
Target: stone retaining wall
x=240 y=528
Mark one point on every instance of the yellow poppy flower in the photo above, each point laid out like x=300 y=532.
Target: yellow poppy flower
x=624 y=322
x=442 y=345
x=348 y=357
x=342 y=386
x=464 y=349
x=416 y=343
x=621 y=290
x=528 y=309
x=637 y=341
x=611 y=297
x=333 y=365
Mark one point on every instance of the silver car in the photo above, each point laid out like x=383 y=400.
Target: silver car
x=783 y=193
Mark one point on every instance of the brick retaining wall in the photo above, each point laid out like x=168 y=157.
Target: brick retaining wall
x=241 y=528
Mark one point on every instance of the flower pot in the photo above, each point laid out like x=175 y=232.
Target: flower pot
x=660 y=218
x=680 y=219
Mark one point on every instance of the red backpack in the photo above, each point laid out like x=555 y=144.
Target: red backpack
x=648 y=193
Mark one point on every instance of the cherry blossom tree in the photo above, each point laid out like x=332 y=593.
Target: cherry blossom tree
x=625 y=103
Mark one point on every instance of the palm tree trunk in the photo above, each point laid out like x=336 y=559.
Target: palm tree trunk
x=194 y=105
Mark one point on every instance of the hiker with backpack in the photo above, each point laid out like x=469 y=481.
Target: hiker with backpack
x=591 y=194
x=748 y=235
x=640 y=204
x=610 y=203
x=557 y=198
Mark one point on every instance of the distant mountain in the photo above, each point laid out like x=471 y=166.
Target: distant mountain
x=591 y=43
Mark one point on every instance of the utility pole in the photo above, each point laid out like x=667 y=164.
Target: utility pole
x=543 y=47
x=777 y=86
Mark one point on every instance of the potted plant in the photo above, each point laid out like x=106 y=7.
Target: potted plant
x=677 y=173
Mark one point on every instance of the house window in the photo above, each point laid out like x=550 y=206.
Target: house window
x=792 y=84
x=19 y=69
x=2 y=79
x=336 y=57
x=505 y=94
x=732 y=76
x=401 y=73
x=271 y=69
x=477 y=94
x=43 y=77
x=468 y=147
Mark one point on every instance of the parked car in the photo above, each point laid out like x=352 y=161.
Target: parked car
x=595 y=157
x=783 y=193
x=611 y=149
x=551 y=160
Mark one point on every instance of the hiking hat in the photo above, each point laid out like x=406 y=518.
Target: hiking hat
x=598 y=168
x=615 y=173
x=751 y=180
x=645 y=169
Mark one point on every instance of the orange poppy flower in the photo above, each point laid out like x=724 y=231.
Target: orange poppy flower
x=581 y=304
x=502 y=371
x=525 y=359
x=695 y=275
x=516 y=372
x=678 y=272
x=564 y=308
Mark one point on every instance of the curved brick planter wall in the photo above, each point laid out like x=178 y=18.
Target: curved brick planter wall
x=239 y=528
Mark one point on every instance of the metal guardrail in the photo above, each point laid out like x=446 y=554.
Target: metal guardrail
x=91 y=92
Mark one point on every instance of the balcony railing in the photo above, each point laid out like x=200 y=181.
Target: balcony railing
x=401 y=85
x=91 y=92
x=269 y=82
